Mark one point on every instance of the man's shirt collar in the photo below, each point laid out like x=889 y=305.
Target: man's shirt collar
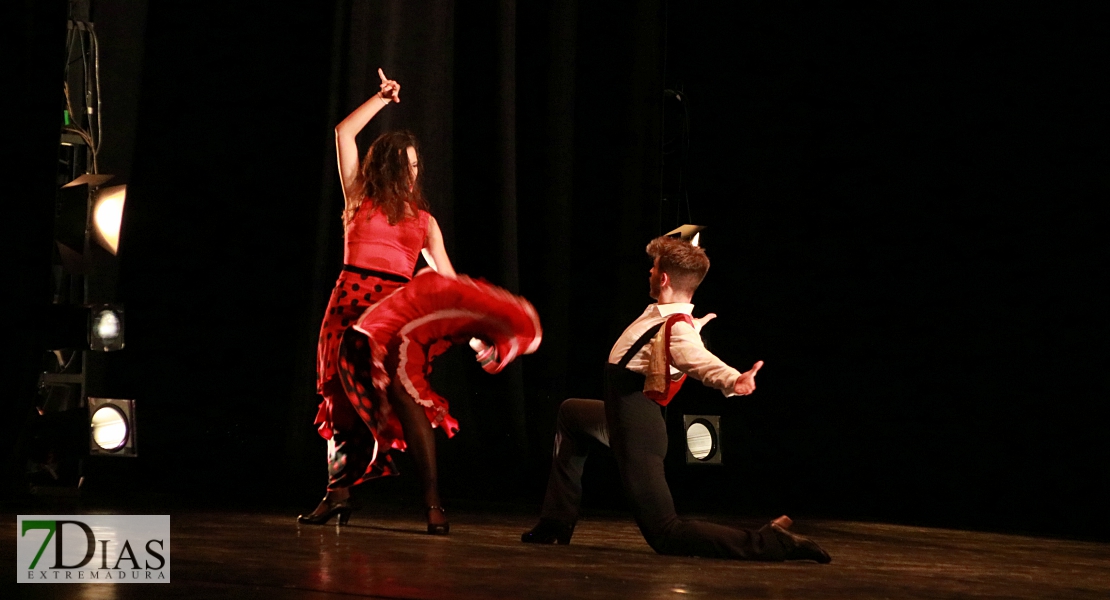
x=666 y=310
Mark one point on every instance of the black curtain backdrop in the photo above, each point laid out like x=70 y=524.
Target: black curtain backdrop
x=32 y=72
x=903 y=222
x=911 y=196
x=218 y=250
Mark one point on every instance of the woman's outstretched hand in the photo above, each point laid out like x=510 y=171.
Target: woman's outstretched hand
x=391 y=90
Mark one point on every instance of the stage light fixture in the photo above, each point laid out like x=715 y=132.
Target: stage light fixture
x=689 y=233
x=72 y=210
x=109 y=428
x=703 y=439
x=108 y=215
x=112 y=427
x=106 y=328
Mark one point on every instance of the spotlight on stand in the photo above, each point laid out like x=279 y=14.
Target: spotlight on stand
x=112 y=427
x=689 y=233
x=108 y=215
x=703 y=439
x=106 y=328
x=71 y=211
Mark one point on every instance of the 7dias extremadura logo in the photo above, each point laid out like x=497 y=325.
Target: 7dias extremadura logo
x=93 y=549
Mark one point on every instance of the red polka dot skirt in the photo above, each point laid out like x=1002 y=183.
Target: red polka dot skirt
x=391 y=343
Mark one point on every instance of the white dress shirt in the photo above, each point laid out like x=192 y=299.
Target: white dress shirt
x=687 y=350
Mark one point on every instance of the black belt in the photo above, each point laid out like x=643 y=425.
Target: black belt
x=378 y=274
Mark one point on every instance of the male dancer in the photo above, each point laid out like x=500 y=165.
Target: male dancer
x=662 y=343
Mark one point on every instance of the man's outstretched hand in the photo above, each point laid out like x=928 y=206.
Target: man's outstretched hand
x=745 y=384
x=699 y=323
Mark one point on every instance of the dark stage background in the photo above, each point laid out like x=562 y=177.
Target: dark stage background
x=903 y=210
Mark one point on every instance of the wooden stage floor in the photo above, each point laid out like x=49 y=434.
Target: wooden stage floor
x=385 y=554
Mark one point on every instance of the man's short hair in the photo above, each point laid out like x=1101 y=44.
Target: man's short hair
x=685 y=263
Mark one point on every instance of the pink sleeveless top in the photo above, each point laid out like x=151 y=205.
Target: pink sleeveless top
x=372 y=243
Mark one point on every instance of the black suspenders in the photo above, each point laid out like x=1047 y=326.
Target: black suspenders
x=639 y=343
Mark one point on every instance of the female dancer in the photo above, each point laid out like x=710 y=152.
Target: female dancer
x=372 y=376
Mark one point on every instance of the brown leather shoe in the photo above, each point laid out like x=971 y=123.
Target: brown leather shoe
x=798 y=547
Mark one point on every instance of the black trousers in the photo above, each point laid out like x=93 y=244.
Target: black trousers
x=633 y=426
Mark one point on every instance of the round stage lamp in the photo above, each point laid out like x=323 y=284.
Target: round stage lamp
x=109 y=428
x=108 y=215
x=106 y=328
x=112 y=427
x=699 y=440
x=703 y=439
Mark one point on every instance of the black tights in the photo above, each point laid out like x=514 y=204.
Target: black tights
x=353 y=451
x=419 y=438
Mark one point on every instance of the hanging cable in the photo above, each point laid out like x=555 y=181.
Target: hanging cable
x=686 y=156
x=677 y=149
x=663 y=119
x=87 y=88
x=69 y=50
x=76 y=129
x=91 y=81
x=96 y=79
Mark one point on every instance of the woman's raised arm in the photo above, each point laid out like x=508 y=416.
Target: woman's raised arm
x=348 y=128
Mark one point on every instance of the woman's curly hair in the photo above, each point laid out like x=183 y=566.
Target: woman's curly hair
x=385 y=179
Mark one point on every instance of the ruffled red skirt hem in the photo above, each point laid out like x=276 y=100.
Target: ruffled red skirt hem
x=394 y=342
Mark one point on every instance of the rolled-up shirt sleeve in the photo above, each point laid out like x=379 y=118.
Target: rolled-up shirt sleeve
x=690 y=356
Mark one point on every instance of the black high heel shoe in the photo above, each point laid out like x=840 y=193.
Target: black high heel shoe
x=438 y=528
x=325 y=511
